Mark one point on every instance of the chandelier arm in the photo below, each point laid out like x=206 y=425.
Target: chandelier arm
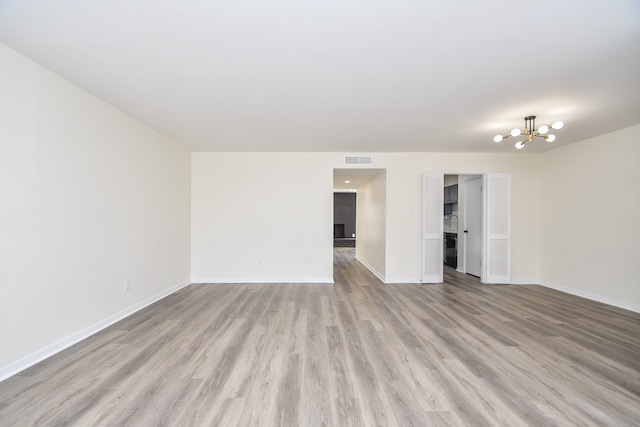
x=530 y=132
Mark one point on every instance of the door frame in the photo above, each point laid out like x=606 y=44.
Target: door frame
x=497 y=243
x=365 y=253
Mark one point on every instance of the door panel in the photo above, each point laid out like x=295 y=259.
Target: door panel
x=473 y=226
x=432 y=227
x=498 y=228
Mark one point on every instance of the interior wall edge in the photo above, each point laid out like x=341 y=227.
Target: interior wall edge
x=371 y=269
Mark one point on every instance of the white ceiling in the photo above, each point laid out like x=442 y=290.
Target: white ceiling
x=344 y=76
x=356 y=178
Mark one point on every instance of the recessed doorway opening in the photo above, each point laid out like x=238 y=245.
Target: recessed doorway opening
x=367 y=189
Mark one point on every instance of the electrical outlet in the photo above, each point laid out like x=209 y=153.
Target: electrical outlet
x=127 y=285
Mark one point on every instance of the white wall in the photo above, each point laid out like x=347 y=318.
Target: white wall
x=371 y=224
x=250 y=207
x=404 y=171
x=90 y=198
x=590 y=241
x=450 y=180
x=262 y=217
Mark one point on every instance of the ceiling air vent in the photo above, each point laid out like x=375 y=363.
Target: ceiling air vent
x=358 y=160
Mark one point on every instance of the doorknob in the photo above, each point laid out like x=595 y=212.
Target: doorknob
x=466 y=231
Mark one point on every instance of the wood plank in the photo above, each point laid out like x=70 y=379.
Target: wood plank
x=356 y=353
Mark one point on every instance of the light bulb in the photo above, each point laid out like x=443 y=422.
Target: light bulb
x=520 y=145
x=543 y=129
x=550 y=138
x=498 y=138
x=515 y=132
x=557 y=125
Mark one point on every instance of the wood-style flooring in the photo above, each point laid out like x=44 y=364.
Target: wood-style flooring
x=357 y=353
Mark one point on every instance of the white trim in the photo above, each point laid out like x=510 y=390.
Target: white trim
x=50 y=350
x=524 y=282
x=406 y=281
x=591 y=296
x=371 y=269
x=248 y=280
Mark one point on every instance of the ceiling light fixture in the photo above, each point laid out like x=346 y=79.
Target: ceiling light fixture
x=531 y=132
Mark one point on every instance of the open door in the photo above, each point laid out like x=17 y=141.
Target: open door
x=473 y=226
x=496 y=235
x=432 y=227
x=498 y=253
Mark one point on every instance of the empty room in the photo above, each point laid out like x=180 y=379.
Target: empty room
x=319 y=213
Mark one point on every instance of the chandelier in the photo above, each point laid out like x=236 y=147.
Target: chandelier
x=530 y=132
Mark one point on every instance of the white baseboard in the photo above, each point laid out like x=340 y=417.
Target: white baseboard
x=401 y=280
x=524 y=282
x=50 y=350
x=273 y=280
x=371 y=269
x=591 y=296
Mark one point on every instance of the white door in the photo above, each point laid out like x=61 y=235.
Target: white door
x=473 y=226
x=432 y=227
x=498 y=253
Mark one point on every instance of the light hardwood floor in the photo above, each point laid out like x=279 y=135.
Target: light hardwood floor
x=355 y=353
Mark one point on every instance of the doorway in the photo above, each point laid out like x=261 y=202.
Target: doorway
x=495 y=245
x=369 y=187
